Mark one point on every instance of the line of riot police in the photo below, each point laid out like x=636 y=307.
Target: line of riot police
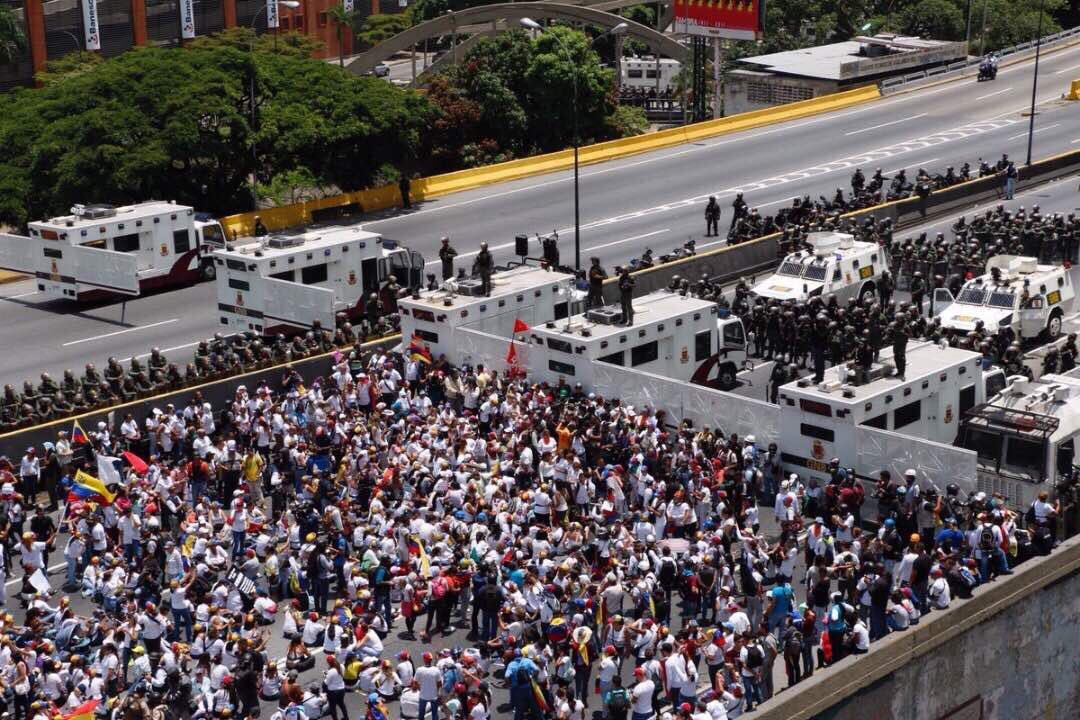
x=214 y=359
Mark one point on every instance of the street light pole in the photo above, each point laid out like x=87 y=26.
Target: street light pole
x=621 y=28
x=1035 y=82
x=292 y=5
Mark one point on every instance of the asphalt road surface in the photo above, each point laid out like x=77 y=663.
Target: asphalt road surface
x=651 y=200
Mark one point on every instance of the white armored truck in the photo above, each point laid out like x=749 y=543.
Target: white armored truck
x=1017 y=292
x=836 y=265
x=100 y=250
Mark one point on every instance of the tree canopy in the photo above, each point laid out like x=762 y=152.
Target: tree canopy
x=12 y=38
x=177 y=124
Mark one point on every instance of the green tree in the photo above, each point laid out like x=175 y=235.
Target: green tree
x=65 y=66
x=341 y=18
x=937 y=19
x=381 y=27
x=177 y=123
x=293 y=44
x=12 y=38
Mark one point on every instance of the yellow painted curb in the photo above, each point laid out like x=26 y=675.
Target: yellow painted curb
x=431 y=187
x=1074 y=90
x=6 y=276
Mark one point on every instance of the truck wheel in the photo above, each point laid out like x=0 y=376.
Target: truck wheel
x=207 y=271
x=727 y=380
x=1053 y=327
x=868 y=294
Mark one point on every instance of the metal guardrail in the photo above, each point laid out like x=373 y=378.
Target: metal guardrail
x=959 y=66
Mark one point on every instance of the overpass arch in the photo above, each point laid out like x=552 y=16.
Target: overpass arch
x=454 y=22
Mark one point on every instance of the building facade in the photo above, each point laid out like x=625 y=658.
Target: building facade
x=54 y=28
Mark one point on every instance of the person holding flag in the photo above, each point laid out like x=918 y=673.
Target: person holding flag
x=521 y=673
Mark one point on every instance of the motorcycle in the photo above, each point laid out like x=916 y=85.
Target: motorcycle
x=987 y=70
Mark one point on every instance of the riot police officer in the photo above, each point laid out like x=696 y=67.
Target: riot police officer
x=899 y=345
x=626 y=295
x=712 y=218
x=485 y=264
x=778 y=377
x=550 y=247
x=918 y=290
x=595 y=298
x=446 y=256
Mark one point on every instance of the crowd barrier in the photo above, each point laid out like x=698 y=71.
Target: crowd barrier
x=387 y=196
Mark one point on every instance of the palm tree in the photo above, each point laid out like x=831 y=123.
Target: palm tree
x=341 y=18
x=12 y=39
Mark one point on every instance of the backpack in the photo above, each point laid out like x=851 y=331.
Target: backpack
x=521 y=677
x=619 y=700
x=986 y=539
x=754 y=657
x=794 y=640
x=667 y=571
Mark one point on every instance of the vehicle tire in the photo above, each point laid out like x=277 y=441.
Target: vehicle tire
x=727 y=380
x=868 y=294
x=1053 y=327
x=207 y=271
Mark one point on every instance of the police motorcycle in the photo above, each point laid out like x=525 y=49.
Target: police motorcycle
x=988 y=68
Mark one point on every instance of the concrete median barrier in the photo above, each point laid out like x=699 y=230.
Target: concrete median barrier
x=435 y=186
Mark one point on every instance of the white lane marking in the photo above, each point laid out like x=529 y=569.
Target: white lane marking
x=22 y=295
x=163 y=350
x=51 y=568
x=867 y=158
x=735 y=137
x=121 y=332
x=914 y=164
x=629 y=239
x=894 y=122
x=1068 y=69
x=1077 y=140
x=1037 y=131
x=983 y=97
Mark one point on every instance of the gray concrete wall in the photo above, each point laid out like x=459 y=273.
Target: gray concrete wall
x=1009 y=653
x=743 y=90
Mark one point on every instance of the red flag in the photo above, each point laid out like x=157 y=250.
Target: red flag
x=520 y=326
x=511 y=355
x=137 y=463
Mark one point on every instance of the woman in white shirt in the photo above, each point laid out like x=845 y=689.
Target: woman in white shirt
x=270 y=684
x=335 y=688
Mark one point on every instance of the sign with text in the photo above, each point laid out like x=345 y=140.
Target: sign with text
x=91 y=31
x=272 y=21
x=187 y=19
x=731 y=19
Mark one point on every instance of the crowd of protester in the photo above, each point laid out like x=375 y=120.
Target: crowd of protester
x=601 y=559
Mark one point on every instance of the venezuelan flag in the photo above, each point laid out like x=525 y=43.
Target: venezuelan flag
x=78 y=435
x=538 y=695
x=417 y=548
x=88 y=487
x=418 y=351
x=83 y=712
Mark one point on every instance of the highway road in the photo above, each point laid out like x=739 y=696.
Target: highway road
x=651 y=200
